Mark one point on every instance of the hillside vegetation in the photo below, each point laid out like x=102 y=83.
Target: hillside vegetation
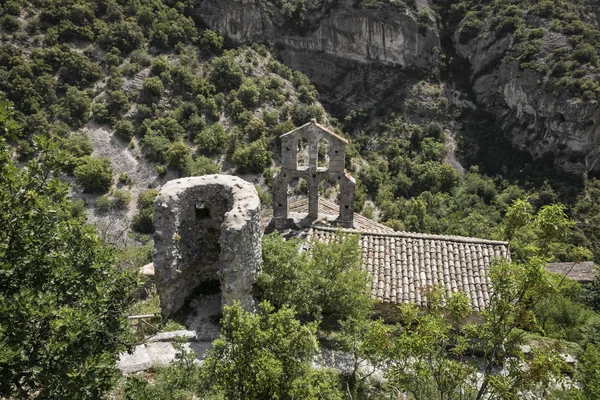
x=116 y=97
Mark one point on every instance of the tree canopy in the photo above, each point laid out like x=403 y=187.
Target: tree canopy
x=62 y=294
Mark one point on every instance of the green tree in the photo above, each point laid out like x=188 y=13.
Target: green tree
x=210 y=40
x=254 y=157
x=213 y=139
x=95 y=174
x=62 y=294
x=328 y=281
x=227 y=73
x=266 y=356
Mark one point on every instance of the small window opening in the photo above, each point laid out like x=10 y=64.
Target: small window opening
x=202 y=211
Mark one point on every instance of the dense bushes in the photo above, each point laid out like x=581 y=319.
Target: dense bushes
x=327 y=282
x=143 y=221
x=95 y=174
x=227 y=74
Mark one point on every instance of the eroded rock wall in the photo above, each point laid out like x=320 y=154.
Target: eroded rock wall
x=346 y=32
x=537 y=121
x=207 y=229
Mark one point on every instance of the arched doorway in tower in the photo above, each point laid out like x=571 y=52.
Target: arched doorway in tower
x=323 y=154
x=329 y=194
x=302 y=155
x=297 y=193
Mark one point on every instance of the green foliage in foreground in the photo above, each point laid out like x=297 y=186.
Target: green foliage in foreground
x=258 y=356
x=327 y=282
x=62 y=294
x=266 y=356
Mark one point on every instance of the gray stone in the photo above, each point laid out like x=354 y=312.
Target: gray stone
x=207 y=229
x=146 y=356
x=188 y=336
x=312 y=134
x=386 y=36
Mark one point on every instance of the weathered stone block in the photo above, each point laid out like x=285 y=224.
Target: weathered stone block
x=207 y=229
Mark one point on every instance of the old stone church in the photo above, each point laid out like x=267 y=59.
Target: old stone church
x=208 y=228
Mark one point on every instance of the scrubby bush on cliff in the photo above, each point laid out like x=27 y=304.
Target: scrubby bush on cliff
x=143 y=221
x=226 y=74
x=95 y=174
x=212 y=140
x=254 y=157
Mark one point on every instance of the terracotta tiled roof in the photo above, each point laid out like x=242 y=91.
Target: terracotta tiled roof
x=403 y=265
x=327 y=207
x=580 y=271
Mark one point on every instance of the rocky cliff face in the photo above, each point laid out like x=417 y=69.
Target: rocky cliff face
x=345 y=32
x=543 y=124
x=343 y=40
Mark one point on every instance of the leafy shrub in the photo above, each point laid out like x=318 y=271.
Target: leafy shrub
x=124 y=178
x=75 y=107
x=143 y=221
x=76 y=208
x=168 y=127
x=123 y=35
x=152 y=87
x=160 y=65
x=277 y=363
x=156 y=145
x=146 y=198
x=140 y=57
x=178 y=156
x=124 y=129
x=77 y=144
x=10 y=23
x=254 y=157
x=585 y=53
x=303 y=113
x=248 y=94
x=202 y=166
x=103 y=203
x=212 y=140
x=226 y=74
x=117 y=102
x=255 y=129
x=328 y=281
x=470 y=28
x=12 y=7
x=101 y=113
x=210 y=40
x=120 y=199
x=95 y=174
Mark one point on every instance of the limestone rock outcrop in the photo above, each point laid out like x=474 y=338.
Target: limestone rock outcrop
x=544 y=124
x=207 y=229
x=346 y=32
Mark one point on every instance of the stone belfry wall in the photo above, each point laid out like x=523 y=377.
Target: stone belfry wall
x=207 y=229
x=313 y=133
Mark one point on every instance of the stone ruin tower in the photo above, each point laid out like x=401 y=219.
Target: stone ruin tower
x=312 y=134
x=207 y=230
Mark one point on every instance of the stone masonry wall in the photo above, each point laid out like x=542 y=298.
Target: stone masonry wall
x=207 y=228
x=313 y=133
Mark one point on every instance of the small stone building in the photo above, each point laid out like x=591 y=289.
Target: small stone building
x=324 y=159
